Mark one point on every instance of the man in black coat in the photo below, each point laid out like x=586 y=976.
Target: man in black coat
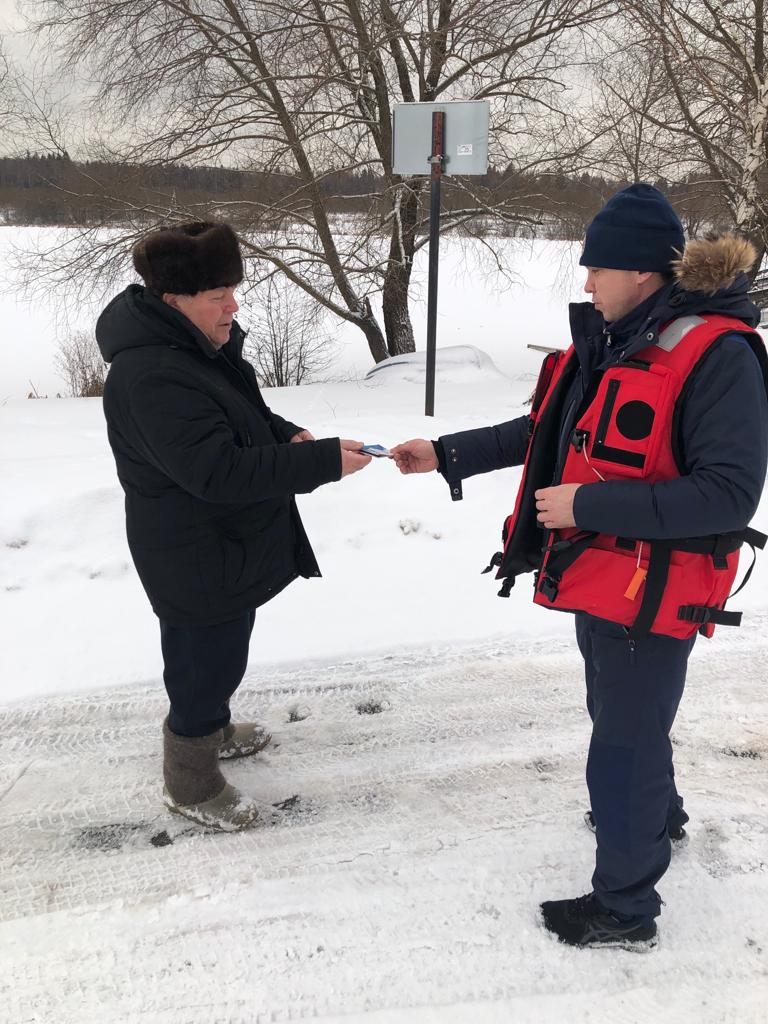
x=209 y=474
x=634 y=688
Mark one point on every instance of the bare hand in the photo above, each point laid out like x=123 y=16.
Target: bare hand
x=416 y=456
x=351 y=459
x=554 y=506
x=303 y=435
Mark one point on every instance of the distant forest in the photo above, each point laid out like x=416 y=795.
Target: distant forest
x=52 y=189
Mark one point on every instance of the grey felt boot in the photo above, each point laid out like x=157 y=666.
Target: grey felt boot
x=196 y=789
x=243 y=739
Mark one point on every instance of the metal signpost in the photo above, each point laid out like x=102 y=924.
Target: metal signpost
x=436 y=159
x=459 y=145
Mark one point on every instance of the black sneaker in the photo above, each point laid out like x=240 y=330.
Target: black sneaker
x=677 y=834
x=585 y=922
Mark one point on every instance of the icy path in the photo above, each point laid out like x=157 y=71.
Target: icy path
x=440 y=799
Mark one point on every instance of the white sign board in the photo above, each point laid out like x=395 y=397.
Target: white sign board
x=466 y=137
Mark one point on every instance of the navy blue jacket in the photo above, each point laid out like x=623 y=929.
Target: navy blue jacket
x=724 y=425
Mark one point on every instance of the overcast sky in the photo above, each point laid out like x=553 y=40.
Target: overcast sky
x=10 y=23
x=17 y=46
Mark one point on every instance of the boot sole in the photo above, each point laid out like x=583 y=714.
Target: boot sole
x=211 y=824
x=206 y=820
x=628 y=945
x=638 y=946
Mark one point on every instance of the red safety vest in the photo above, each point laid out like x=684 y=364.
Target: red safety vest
x=629 y=431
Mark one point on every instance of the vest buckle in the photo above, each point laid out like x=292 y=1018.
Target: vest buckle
x=578 y=439
x=494 y=563
x=549 y=586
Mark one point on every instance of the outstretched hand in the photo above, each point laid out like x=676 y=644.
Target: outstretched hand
x=351 y=459
x=416 y=456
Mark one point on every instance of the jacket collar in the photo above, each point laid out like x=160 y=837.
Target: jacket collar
x=598 y=344
x=138 y=319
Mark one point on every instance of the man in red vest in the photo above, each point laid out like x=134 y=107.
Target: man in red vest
x=644 y=458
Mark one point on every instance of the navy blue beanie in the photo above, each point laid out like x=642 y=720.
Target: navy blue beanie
x=637 y=229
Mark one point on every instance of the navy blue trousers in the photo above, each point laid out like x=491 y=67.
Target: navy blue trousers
x=204 y=665
x=632 y=699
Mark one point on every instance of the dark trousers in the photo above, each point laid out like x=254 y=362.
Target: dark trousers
x=204 y=665
x=632 y=699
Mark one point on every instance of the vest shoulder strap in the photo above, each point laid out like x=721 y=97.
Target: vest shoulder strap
x=674 y=332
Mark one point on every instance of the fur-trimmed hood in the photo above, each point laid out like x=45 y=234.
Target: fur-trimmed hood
x=710 y=277
x=710 y=265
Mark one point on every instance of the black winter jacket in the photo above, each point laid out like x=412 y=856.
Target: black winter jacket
x=207 y=468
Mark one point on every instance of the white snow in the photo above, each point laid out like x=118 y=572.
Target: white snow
x=456 y=364
x=403 y=885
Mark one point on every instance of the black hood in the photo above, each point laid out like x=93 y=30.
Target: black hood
x=138 y=319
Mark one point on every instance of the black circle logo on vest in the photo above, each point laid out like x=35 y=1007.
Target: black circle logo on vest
x=635 y=420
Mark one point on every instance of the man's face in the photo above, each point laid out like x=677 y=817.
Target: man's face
x=616 y=292
x=210 y=311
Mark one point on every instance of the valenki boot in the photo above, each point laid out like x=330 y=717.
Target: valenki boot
x=243 y=739
x=196 y=789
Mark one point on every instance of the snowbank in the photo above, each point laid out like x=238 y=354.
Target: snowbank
x=455 y=364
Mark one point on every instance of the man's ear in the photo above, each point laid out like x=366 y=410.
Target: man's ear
x=644 y=276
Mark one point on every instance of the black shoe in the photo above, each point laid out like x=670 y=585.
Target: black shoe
x=586 y=922
x=677 y=834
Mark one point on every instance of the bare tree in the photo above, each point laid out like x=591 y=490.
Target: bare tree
x=634 y=105
x=306 y=88
x=3 y=82
x=632 y=89
x=8 y=105
x=80 y=366
x=692 y=86
x=286 y=343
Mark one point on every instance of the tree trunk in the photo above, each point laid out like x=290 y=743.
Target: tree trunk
x=757 y=239
x=397 y=316
x=373 y=334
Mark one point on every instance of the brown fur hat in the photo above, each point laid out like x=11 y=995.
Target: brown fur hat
x=709 y=264
x=189 y=258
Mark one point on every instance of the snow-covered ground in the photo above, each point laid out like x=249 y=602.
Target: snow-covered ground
x=433 y=733
x=441 y=795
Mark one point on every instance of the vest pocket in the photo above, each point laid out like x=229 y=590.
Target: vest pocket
x=630 y=411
